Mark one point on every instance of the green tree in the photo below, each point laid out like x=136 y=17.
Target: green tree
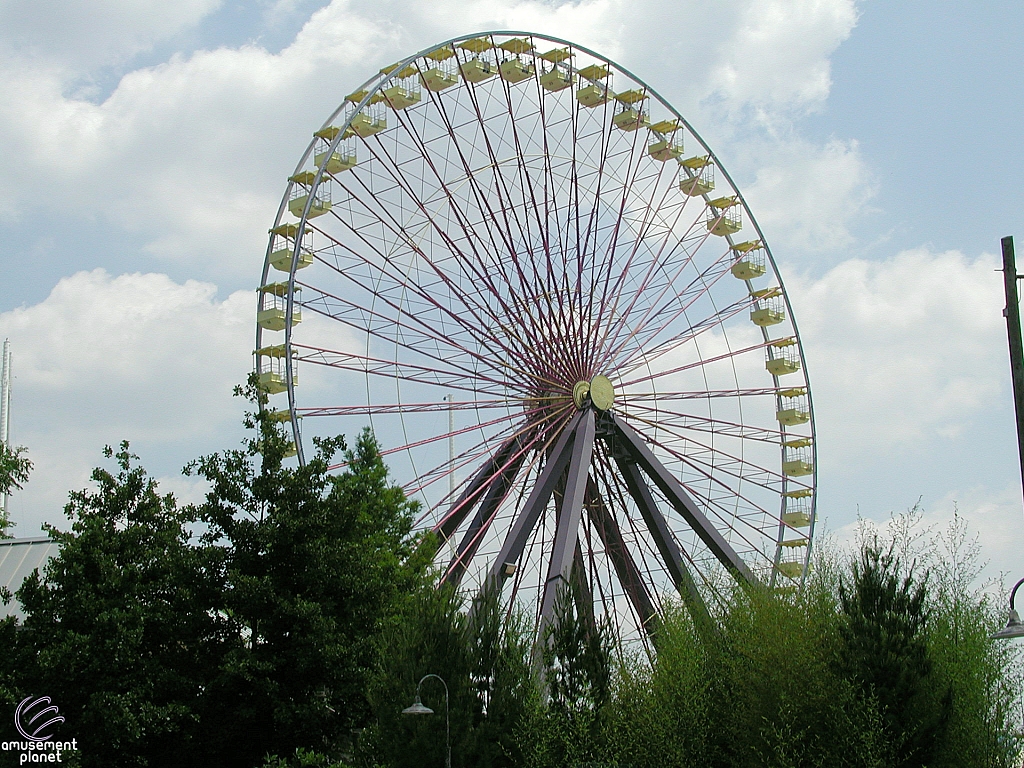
x=116 y=629
x=14 y=471
x=483 y=656
x=316 y=563
x=884 y=649
x=576 y=662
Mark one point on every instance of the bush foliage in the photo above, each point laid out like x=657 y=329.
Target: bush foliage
x=288 y=620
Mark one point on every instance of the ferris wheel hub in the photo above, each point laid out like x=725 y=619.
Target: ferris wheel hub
x=602 y=393
x=599 y=392
x=580 y=392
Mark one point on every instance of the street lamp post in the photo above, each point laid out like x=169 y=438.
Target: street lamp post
x=1014 y=627
x=418 y=708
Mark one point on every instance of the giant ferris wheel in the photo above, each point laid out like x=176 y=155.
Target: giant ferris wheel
x=530 y=276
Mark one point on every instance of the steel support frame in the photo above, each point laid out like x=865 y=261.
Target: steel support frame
x=569 y=514
x=624 y=436
x=670 y=553
x=461 y=507
x=522 y=528
x=496 y=492
x=615 y=547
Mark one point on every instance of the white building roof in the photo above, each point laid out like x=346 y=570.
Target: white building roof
x=18 y=558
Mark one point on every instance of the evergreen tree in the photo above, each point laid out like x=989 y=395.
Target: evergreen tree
x=883 y=649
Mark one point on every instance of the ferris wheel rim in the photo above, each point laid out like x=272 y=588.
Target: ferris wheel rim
x=376 y=83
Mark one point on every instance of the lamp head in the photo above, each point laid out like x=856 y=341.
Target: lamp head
x=1013 y=628
x=417 y=708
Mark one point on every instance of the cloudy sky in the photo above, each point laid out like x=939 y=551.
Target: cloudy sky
x=144 y=147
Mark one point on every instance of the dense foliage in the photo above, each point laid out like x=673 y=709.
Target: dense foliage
x=222 y=632
x=14 y=469
x=287 y=621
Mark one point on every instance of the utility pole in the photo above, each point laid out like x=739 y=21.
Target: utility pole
x=451 y=444
x=1012 y=314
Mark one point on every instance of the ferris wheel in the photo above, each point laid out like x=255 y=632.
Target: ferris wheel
x=527 y=273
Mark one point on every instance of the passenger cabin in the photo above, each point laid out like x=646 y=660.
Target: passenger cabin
x=597 y=91
x=272 y=369
x=273 y=305
x=767 y=308
x=300 y=196
x=282 y=247
x=444 y=74
x=631 y=115
x=515 y=70
x=404 y=90
x=798 y=508
x=696 y=175
x=476 y=70
x=750 y=260
x=782 y=357
x=724 y=218
x=797 y=457
x=558 y=77
x=793 y=407
x=667 y=141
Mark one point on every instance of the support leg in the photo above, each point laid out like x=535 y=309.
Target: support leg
x=566 y=535
x=673 y=490
x=523 y=526
x=629 y=575
x=478 y=527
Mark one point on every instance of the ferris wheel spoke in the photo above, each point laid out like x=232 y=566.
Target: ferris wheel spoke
x=480 y=199
x=645 y=282
x=440 y=472
x=708 y=394
x=455 y=253
x=504 y=211
x=443 y=406
x=372 y=322
x=699 y=363
x=462 y=380
x=482 y=246
x=698 y=423
x=690 y=333
x=676 y=307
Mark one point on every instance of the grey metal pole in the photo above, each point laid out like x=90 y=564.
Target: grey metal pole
x=1012 y=314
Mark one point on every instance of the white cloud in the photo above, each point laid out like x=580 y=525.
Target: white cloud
x=808 y=196
x=90 y=33
x=908 y=350
x=136 y=357
x=779 y=52
x=192 y=154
